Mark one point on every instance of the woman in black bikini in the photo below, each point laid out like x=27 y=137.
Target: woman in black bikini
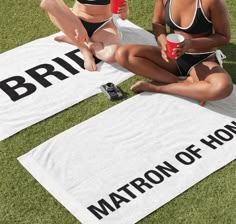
x=89 y=26
x=205 y=26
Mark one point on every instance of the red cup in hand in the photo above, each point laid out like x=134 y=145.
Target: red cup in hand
x=173 y=40
x=115 y=4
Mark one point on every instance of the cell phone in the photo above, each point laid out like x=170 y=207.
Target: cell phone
x=111 y=91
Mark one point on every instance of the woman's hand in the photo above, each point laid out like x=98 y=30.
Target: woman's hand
x=164 y=53
x=123 y=11
x=162 y=42
x=182 y=47
x=81 y=35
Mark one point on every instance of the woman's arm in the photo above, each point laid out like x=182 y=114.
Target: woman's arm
x=158 y=22
x=159 y=26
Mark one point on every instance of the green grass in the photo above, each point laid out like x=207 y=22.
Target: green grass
x=24 y=201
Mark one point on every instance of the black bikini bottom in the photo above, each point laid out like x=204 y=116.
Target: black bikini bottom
x=187 y=61
x=93 y=27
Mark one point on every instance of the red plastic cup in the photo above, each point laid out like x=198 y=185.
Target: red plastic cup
x=115 y=4
x=173 y=40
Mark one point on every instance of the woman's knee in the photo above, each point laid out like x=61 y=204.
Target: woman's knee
x=43 y=4
x=222 y=88
x=47 y=4
x=122 y=55
x=109 y=55
x=226 y=88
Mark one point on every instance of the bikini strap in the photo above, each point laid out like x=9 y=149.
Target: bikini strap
x=164 y=2
x=220 y=57
x=199 y=4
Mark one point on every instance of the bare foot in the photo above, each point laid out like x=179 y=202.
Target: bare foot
x=202 y=103
x=89 y=62
x=142 y=86
x=63 y=38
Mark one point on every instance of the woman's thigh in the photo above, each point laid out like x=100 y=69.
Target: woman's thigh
x=209 y=71
x=152 y=54
x=107 y=34
x=218 y=78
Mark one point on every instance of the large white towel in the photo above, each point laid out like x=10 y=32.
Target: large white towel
x=126 y=162
x=44 y=77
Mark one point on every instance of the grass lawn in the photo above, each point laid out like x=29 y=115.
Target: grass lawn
x=24 y=201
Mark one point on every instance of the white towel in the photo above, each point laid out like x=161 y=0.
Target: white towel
x=26 y=97
x=129 y=160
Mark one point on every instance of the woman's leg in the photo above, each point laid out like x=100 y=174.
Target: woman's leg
x=89 y=61
x=147 y=61
x=65 y=20
x=62 y=17
x=213 y=83
x=105 y=42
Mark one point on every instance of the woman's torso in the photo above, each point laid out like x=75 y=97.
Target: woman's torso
x=190 y=18
x=93 y=10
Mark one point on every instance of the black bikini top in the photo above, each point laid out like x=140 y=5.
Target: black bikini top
x=200 y=23
x=94 y=2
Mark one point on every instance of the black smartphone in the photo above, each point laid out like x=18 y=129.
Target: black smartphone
x=111 y=91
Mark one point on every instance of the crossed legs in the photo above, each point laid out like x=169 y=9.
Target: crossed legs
x=207 y=82
x=103 y=44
